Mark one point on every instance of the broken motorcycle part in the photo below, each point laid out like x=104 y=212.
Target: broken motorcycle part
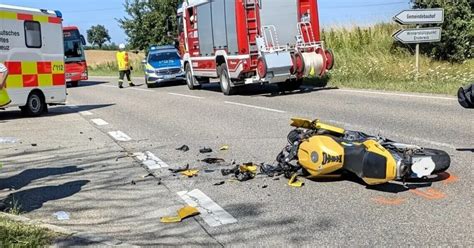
x=183 y=213
x=213 y=160
x=183 y=148
x=180 y=169
x=190 y=173
x=205 y=150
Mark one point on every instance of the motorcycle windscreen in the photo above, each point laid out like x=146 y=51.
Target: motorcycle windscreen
x=283 y=14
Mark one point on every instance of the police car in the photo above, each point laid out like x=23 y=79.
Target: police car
x=163 y=64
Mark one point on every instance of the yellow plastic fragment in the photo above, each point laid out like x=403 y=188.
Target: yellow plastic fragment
x=293 y=182
x=183 y=213
x=224 y=148
x=249 y=167
x=190 y=173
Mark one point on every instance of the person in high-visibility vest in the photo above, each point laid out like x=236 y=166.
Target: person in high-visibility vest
x=124 y=66
x=4 y=98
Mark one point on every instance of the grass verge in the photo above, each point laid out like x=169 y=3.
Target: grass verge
x=17 y=234
x=368 y=58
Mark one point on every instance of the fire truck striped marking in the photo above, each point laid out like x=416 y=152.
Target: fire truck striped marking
x=119 y=136
x=213 y=214
x=255 y=107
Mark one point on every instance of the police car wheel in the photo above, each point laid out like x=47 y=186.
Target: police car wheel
x=35 y=105
x=190 y=79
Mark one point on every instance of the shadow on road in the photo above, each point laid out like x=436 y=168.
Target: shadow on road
x=32 y=199
x=27 y=176
x=168 y=84
x=267 y=90
x=87 y=84
x=12 y=114
x=465 y=149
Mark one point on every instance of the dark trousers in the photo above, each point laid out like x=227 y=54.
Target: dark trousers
x=122 y=74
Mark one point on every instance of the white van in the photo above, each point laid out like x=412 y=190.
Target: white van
x=31 y=47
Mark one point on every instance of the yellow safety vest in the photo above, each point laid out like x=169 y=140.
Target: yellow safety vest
x=122 y=61
x=4 y=98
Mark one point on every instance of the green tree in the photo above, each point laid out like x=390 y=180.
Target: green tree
x=146 y=23
x=98 y=35
x=457 y=41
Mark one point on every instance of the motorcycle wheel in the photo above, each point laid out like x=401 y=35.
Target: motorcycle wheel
x=440 y=158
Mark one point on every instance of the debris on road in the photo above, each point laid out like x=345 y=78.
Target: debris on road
x=183 y=213
x=34 y=144
x=179 y=169
x=224 y=148
x=183 y=148
x=190 y=173
x=242 y=172
x=293 y=182
x=213 y=160
x=205 y=150
x=219 y=183
x=61 y=215
x=134 y=183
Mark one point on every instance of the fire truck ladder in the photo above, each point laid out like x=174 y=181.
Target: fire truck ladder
x=252 y=29
x=305 y=37
x=270 y=38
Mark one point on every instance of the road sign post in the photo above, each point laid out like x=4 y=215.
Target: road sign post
x=419 y=35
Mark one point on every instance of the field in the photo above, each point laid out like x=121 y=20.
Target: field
x=103 y=63
x=364 y=58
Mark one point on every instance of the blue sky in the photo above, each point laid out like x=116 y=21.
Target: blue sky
x=86 y=13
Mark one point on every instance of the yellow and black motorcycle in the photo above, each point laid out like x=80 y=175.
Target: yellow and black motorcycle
x=320 y=149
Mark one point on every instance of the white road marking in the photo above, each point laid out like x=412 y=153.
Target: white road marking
x=255 y=107
x=108 y=86
x=86 y=113
x=141 y=89
x=211 y=213
x=119 y=136
x=151 y=161
x=8 y=140
x=99 y=122
x=397 y=94
x=183 y=95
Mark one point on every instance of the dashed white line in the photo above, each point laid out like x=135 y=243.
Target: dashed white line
x=151 y=161
x=183 y=95
x=138 y=89
x=255 y=107
x=397 y=94
x=99 y=122
x=213 y=214
x=119 y=136
x=86 y=113
x=108 y=86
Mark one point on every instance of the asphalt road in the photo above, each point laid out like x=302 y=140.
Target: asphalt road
x=254 y=124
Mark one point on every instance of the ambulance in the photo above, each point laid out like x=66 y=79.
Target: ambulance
x=31 y=47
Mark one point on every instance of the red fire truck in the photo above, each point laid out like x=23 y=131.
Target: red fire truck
x=251 y=41
x=75 y=59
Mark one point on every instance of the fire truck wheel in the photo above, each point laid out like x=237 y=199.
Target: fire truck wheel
x=191 y=80
x=35 y=105
x=225 y=81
